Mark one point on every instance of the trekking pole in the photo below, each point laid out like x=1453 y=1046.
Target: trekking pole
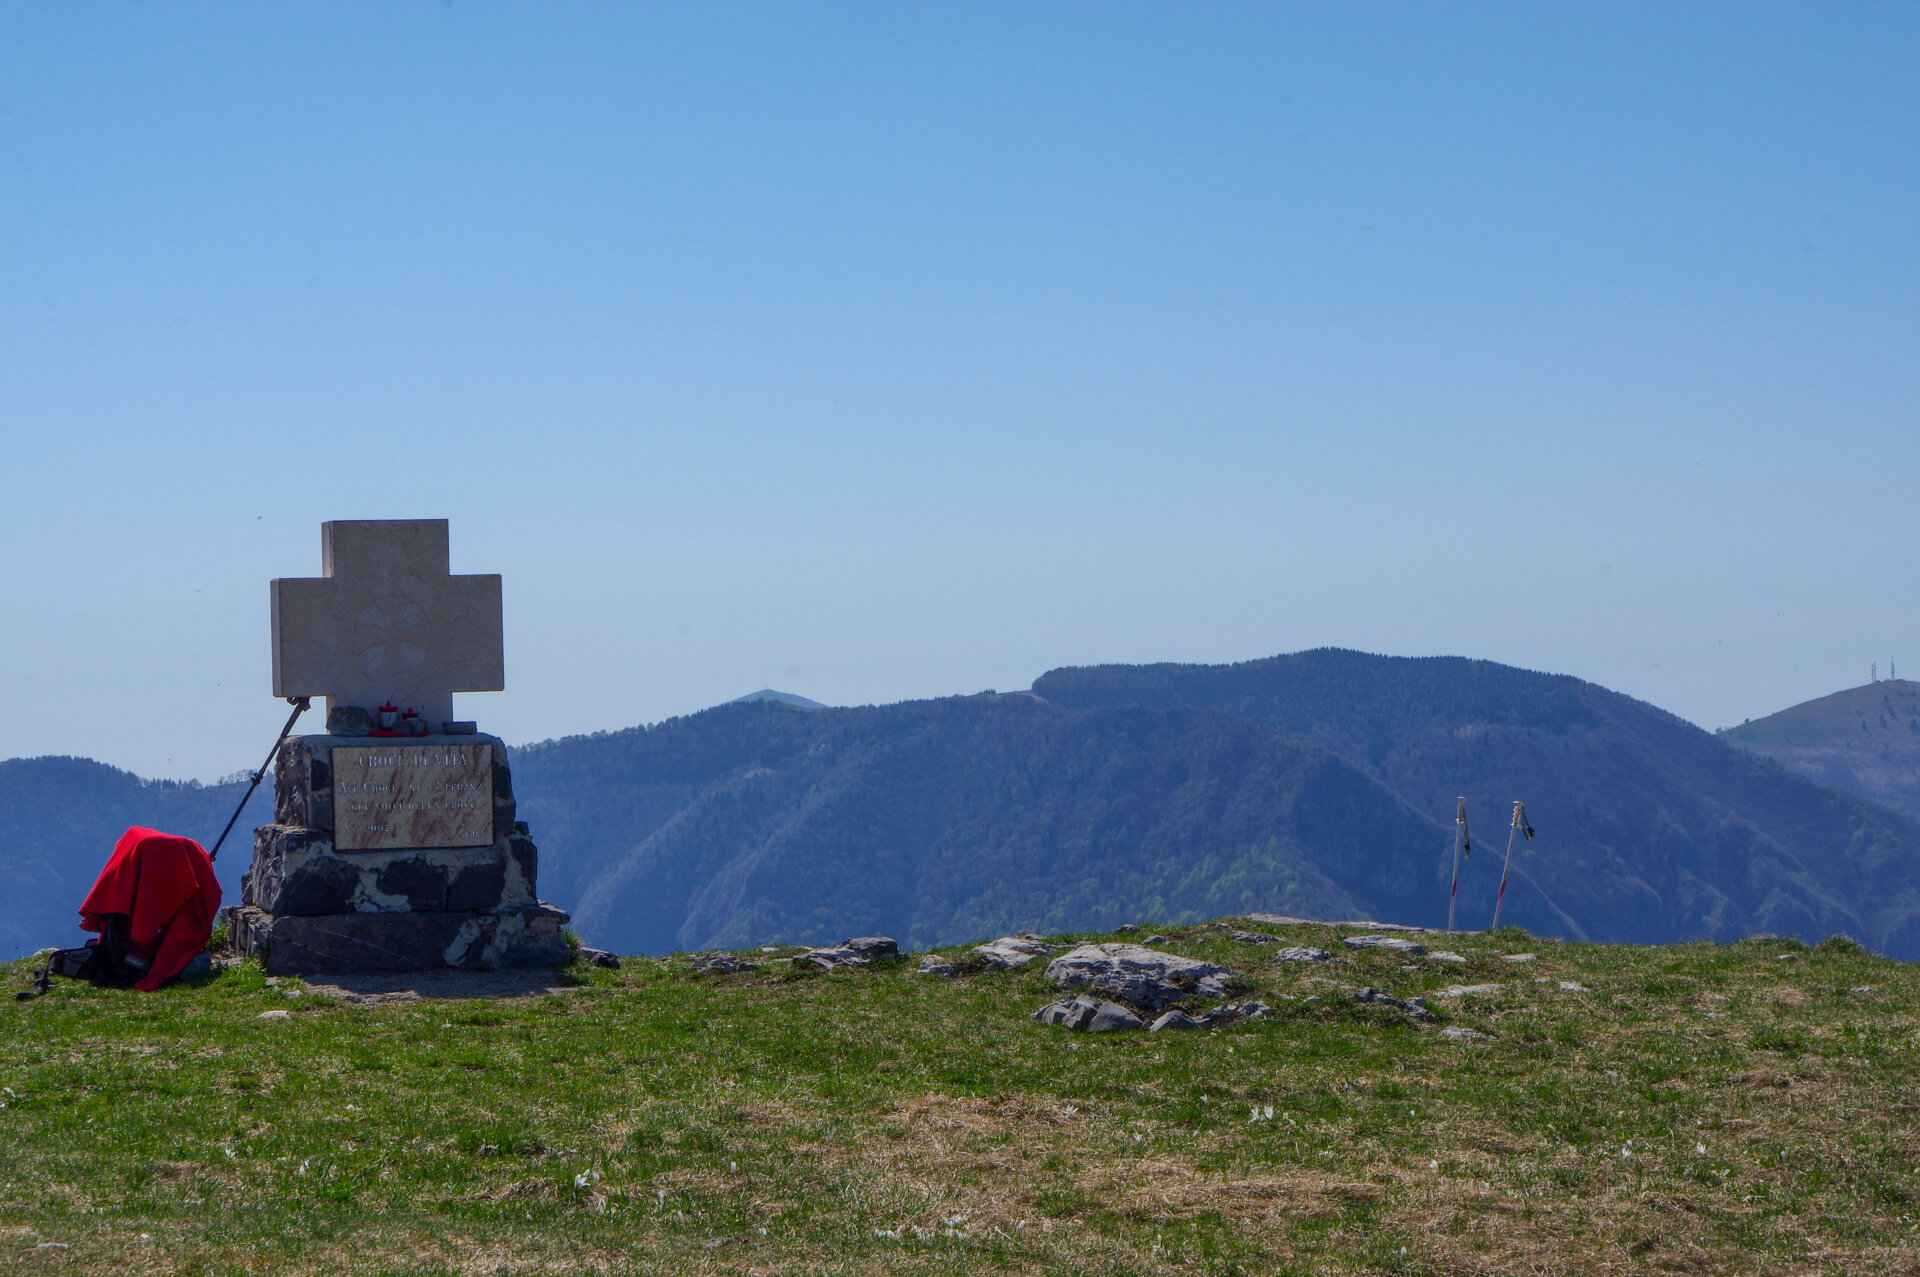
x=1461 y=846
x=1520 y=825
x=299 y=704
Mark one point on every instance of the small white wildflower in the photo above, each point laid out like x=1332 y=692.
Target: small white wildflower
x=303 y=1167
x=1267 y=1112
x=1700 y=1149
x=734 y=1167
x=580 y=1180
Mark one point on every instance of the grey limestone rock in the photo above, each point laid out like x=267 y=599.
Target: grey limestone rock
x=1090 y=964
x=599 y=958
x=1380 y=997
x=1394 y=943
x=1011 y=951
x=1231 y=1013
x=1089 y=1015
x=1443 y=955
x=1148 y=993
x=832 y=959
x=1460 y=1033
x=1467 y=991
x=871 y=947
x=721 y=963
x=1302 y=953
x=1255 y=937
x=931 y=964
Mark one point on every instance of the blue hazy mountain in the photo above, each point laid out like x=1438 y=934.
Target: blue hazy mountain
x=784 y=698
x=59 y=820
x=1318 y=784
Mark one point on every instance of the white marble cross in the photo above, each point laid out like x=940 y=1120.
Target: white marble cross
x=386 y=622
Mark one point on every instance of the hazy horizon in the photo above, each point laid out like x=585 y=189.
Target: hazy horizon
x=875 y=353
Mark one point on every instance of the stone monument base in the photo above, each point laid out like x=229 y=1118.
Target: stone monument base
x=315 y=944
x=394 y=854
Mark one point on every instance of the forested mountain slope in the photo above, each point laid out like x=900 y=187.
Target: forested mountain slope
x=1651 y=829
x=1320 y=784
x=59 y=819
x=936 y=821
x=1865 y=740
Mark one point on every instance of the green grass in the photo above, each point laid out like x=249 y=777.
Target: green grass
x=1703 y=1109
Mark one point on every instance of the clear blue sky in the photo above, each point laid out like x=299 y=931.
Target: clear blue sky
x=876 y=352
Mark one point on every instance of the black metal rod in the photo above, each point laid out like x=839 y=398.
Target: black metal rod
x=299 y=704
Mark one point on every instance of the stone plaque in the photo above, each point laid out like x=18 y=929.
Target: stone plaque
x=405 y=795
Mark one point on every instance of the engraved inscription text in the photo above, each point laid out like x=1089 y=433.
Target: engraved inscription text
x=390 y=796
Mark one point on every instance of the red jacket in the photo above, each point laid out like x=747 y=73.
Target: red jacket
x=165 y=886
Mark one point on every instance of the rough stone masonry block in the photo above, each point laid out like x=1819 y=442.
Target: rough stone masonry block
x=370 y=942
x=296 y=871
x=304 y=776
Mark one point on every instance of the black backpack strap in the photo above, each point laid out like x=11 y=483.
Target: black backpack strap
x=105 y=961
x=42 y=982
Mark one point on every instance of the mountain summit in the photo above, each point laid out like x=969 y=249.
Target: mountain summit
x=784 y=698
x=1318 y=784
x=1865 y=740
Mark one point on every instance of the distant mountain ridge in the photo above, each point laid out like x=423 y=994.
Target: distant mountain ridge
x=1865 y=740
x=59 y=819
x=1318 y=784
x=936 y=821
x=1650 y=828
x=785 y=698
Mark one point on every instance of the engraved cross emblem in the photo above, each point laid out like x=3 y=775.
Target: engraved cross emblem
x=387 y=621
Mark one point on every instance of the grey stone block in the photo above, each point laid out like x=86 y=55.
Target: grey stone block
x=349 y=720
x=343 y=943
x=1089 y=1015
x=296 y=871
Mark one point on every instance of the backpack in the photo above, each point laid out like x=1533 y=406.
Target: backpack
x=103 y=961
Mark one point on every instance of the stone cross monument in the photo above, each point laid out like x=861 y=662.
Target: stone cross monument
x=394 y=845
x=385 y=622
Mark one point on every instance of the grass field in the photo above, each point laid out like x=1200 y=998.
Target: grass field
x=1703 y=1109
